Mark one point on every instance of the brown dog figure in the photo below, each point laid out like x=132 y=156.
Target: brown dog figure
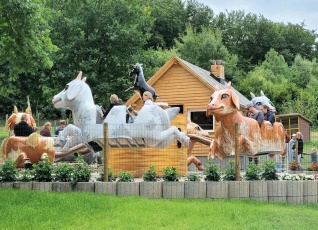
x=224 y=106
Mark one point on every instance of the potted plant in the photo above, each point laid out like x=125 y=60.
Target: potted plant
x=257 y=187
x=150 y=188
x=81 y=176
x=24 y=179
x=43 y=175
x=8 y=173
x=294 y=166
x=124 y=188
x=63 y=177
x=214 y=188
x=106 y=187
x=171 y=187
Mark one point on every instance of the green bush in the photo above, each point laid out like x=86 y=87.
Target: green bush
x=268 y=171
x=150 y=175
x=230 y=174
x=26 y=175
x=170 y=174
x=212 y=171
x=252 y=172
x=125 y=176
x=64 y=172
x=193 y=177
x=8 y=171
x=110 y=175
x=43 y=170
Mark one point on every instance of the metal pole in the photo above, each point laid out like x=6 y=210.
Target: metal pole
x=106 y=152
x=237 y=153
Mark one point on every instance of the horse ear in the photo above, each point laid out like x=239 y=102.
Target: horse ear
x=15 y=109
x=132 y=65
x=228 y=85
x=84 y=79
x=262 y=93
x=188 y=121
x=79 y=76
x=252 y=95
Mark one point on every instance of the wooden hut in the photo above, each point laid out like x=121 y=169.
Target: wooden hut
x=182 y=84
x=294 y=122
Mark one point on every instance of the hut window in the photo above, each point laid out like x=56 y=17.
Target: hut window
x=200 y=118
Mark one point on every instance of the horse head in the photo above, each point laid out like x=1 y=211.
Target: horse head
x=262 y=100
x=136 y=70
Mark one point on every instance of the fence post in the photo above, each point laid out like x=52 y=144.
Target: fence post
x=237 y=153
x=106 y=152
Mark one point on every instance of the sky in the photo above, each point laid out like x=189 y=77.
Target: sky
x=293 y=11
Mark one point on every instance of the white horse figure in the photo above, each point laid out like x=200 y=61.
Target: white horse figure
x=150 y=128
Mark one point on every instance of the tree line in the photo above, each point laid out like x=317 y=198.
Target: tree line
x=44 y=43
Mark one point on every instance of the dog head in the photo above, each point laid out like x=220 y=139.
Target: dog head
x=222 y=102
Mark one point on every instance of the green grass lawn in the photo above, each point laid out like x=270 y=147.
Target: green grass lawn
x=24 y=209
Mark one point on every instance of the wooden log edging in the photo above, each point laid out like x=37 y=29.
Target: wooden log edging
x=296 y=192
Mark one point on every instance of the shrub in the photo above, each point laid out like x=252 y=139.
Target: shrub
x=81 y=172
x=193 y=177
x=297 y=177
x=229 y=174
x=268 y=171
x=110 y=175
x=43 y=170
x=212 y=171
x=125 y=176
x=8 y=171
x=170 y=174
x=64 y=172
x=26 y=175
x=313 y=167
x=252 y=172
x=150 y=175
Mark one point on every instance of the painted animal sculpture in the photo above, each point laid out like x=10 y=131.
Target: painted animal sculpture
x=32 y=148
x=262 y=100
x=224 y=106
x=140 y=83
x=195 y=129
x=151 y=126
x=16 y=118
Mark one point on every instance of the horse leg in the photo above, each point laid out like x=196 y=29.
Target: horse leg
x=170 y=135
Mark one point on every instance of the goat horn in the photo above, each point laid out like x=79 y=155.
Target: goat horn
x=252 y=94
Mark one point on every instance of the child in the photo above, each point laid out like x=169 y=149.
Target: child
x=313 y=155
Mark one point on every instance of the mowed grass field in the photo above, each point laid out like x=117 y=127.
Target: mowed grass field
x=24 y=209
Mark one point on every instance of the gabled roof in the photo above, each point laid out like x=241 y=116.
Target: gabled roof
x=294 y=115
x=201 y=74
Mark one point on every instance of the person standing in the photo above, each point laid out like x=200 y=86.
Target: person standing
x=268 y=115
x=291 y=148
x=23 y=129
x=46 y=131
x=299 y=139
x=62 y=126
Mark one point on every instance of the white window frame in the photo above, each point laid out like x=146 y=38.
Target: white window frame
x=201 y=110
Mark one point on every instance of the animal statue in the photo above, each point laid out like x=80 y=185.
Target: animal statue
x=262 y=100
x=140 y=83
x=224 y=106
x=195 y=129
x=31 y=148
x=151 y=126
x=16 y=118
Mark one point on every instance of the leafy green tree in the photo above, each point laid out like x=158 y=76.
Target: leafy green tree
x=200 y=47
x=170 y=17
x=198 y=15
